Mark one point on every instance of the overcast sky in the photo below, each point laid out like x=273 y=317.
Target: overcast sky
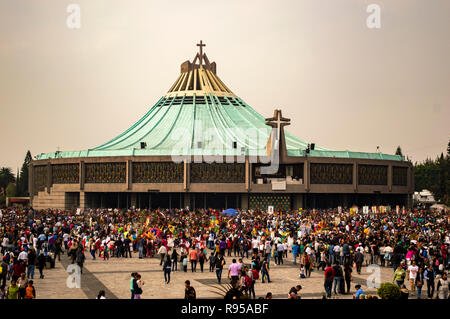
x=344 y=86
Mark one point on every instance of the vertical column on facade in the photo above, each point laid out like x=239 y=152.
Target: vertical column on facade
x=409 y=183
x=390 y=177
x=355 y=177
x=306 y=175
x=49 y=177
x=247 y=174
x=82 y=199
x=129 y=179
x=81 y=176
x=186 y=178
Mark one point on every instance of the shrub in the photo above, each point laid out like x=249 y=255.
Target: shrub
x=388 y=290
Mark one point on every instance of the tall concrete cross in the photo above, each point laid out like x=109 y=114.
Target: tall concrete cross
x=278 y=121
x=201 y=45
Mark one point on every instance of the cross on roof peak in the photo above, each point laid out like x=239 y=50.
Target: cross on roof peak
x=201 y=45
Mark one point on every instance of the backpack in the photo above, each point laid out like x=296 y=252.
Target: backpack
x=248 y=281
x=255 y=274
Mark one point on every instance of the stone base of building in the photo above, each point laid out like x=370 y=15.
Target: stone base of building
x=58 y=199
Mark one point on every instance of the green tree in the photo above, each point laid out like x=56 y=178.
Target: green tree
x=434 y=176
x=388 y=290
x=399 y=151
x=22 y=183
x=11 y=190
x=6 y=177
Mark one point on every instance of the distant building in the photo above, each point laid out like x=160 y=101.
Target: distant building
x=202 y=146
x=424 y=198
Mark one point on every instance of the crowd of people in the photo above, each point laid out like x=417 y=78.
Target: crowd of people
x=414 y=243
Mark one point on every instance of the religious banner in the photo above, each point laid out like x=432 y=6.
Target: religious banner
x=340 y=209
x=365 y=210
x=397 y=209
x=270 y=210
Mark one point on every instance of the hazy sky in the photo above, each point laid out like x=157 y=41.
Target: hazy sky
x=343 y=85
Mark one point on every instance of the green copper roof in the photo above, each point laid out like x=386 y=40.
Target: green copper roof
x=223 y=126
x=200 y=115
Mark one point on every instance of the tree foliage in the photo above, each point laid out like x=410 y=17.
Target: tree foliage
x=434 y=175
x=388 y=290
x=22 y=182
x=11 y=190
x=6 y=177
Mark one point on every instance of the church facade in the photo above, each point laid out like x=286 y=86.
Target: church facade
x=201 y=146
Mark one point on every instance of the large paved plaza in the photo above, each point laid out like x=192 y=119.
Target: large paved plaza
x=113 y=276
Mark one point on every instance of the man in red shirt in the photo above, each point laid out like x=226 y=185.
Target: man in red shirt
x=329 y=276
x=193 y=255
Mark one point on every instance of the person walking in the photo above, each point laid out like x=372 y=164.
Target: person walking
x=265 y=271
x=419 y=281
x=328 y=279
x=359 y=258
x=280 y=250
x=92 y=249
x=132 y=279
x=13 y=290
x=429 y=277
x=220 y=262
x=127 y=248
x=167 y=268
x=234 y=270
x=189 y=291
x=41 y=264
x=201 y=259
x=348 y=276
x=30 y=291
x=443 y=287
x=22 y=283
x=212 y=262
x=138 y=283
x=295 y=249
x=399 y=276
x=31 y=263
x=193 y=256
x=308 y=264
x=80 y=257
x=338 y=278
x=162 y=251
x=412 y=273
x=174 y=260
x=3 y=273
x=251 y=288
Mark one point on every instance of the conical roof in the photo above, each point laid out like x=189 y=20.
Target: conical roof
x=200 y=115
